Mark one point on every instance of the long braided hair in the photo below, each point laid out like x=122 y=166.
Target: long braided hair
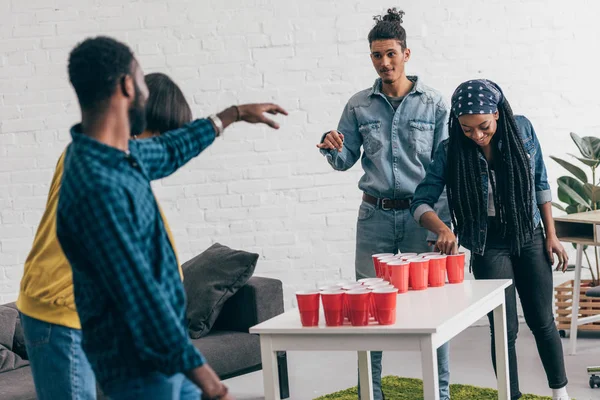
x=512 y=186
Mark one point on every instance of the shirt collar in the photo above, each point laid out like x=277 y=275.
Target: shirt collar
x=417 y=87
x=106 y=154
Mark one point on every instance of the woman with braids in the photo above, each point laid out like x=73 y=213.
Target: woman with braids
x=494 y=173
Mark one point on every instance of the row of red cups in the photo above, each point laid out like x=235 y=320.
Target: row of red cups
x=356 y=301
x=419 y=271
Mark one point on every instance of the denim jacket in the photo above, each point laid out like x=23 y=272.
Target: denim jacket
x=434 y=183
x=398 y=145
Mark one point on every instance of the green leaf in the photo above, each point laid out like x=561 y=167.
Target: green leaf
x=559 y=206
x=583 y=147
x=574 y=192
x=589 y=146
x=592 y=191
x=574 y=209
x=576 y=171
x=587 y=161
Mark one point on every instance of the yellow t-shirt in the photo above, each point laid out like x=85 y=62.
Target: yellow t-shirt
x=46 y=291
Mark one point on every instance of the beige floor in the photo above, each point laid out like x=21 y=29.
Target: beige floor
x=313 y=374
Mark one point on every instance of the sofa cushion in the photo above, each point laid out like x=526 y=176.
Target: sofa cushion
x=8 y=323
x=19 y=339
x=210 y=279
x=17 y=385
x=230 y=352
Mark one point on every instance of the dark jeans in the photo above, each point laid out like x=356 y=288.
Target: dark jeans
x=531 y=273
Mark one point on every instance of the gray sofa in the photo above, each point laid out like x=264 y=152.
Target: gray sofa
x=229 y=348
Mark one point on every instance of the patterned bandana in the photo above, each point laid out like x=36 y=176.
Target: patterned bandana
x=477 y=96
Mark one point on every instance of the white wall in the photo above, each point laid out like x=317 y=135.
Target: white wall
x=265 y=191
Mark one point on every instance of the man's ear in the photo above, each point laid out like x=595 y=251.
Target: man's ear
x=127 y=86
x=406 y=54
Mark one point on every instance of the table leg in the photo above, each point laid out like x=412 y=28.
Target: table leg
x=269 y=367
x=431 y=389
x=365 y=375
x=575 y=302
x=503 y=374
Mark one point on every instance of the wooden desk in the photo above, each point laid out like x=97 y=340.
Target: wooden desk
x=581 y=229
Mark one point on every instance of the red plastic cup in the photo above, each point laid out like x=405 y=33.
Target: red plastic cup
x=308 y=304
x=330 y=288
x=455 y=264
x=359 y=304
x=437 y=270
x=370 y=281
x=376 y=262
x=383 y=266
x=400 y=275
x=385 y=305
x=345 y=288
x=333 y=307
x=431 y=253
x=419 y=273
x=406 y=256
x=379 y=285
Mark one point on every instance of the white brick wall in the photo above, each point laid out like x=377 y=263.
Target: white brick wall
x=265 y=191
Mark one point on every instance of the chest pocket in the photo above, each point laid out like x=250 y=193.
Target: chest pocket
x=371 y=136
x=421 y=135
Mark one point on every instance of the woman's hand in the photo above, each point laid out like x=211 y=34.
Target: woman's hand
x=446 y=242
x=553 y=246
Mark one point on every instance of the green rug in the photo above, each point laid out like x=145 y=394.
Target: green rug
x=396 y=388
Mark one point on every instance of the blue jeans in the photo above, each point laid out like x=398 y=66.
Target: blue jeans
x=59 y=366
x=155 y=386
x=381 y=231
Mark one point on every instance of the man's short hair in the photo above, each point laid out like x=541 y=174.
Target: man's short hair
x=96 y=67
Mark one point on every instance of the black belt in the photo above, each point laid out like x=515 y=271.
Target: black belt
x=387 y=204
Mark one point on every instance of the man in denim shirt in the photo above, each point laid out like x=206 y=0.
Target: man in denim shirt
x=399 y=122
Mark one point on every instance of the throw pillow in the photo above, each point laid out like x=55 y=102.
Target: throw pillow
x=210 y=279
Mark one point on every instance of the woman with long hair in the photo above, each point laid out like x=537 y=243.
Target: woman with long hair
x=499 y=198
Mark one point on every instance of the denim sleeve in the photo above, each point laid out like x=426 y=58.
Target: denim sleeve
x=123 y=270
x=348 y=126
x=430 y=190
x=442 y=115
x=542 y=187
x=165 y=154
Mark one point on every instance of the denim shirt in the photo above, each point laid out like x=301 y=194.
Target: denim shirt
x=398 y=145
x=434 y=183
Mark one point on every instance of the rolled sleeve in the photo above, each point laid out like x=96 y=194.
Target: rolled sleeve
x=543 y=196
x=420 y=210
x=542 y=187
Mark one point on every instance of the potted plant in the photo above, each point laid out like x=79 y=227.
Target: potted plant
x=580 y=194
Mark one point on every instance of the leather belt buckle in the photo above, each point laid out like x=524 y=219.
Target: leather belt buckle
x=383 y=206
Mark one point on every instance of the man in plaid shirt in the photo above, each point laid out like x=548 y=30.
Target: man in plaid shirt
x=128 y=290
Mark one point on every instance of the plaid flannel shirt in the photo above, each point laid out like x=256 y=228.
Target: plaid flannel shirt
x=128 y=290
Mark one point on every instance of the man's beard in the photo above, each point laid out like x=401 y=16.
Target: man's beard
x=137 y=115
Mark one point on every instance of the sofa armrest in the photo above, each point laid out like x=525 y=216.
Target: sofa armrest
x=19 y=339
x=257 y=301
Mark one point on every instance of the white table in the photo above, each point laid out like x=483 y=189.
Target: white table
x=424 y=321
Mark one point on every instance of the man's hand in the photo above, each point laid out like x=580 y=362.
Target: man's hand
x=333 y=140
x=251 y=113
x=207 y=380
